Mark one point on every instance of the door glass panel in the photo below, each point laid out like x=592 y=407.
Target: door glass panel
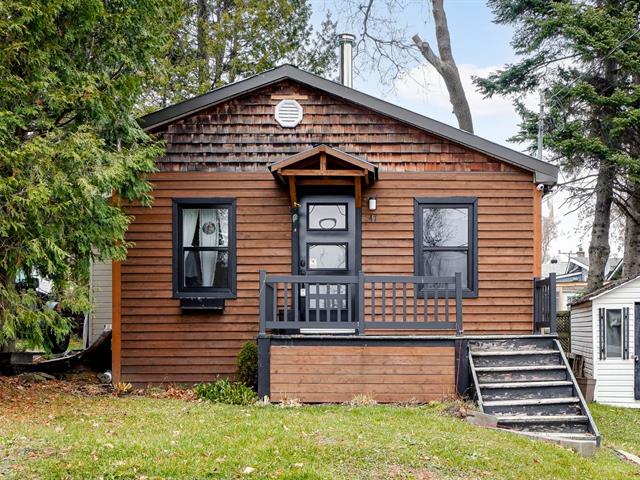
x=327 y=217
x=445 y=227
x=327 y=256
x=614 y=333
x=445 y=264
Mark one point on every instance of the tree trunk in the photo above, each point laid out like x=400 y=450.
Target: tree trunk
x=202 y=53
x=631 y=262
x=446 y=66
x=599 y=247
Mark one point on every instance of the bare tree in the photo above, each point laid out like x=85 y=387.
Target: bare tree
x=392 y=50
x=549 y=234
x=446 y=65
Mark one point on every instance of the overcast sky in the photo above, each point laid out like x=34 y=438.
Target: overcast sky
x=479 y=47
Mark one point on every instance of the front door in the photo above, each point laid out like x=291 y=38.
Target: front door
x=636 y=352
x=327 y=245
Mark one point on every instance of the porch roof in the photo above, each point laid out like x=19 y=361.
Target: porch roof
x=324 y=165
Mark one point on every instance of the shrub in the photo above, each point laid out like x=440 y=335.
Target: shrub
x=224 y=391
x=247 y=364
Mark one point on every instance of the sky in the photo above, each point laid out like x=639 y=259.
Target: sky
x=479 y=47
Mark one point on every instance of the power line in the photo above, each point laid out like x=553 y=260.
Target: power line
x=592 y=70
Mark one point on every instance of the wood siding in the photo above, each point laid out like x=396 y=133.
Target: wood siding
x=162 y=343
x=505 y=240
x=339 y=373
x=242 y=134
x=223 y=152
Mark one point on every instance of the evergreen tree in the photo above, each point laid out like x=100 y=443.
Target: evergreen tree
x=221 y=41
x=585 y=55
x=71 y=74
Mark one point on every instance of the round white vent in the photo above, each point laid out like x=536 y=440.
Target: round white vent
x=288 y=113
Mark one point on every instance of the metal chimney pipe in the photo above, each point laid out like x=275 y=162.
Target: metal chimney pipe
x=346 y=42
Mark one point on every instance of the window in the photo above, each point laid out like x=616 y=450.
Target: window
x=327 y=256
x=613 y=333
x=204 y=250
x=446 y=239
x=327 y=216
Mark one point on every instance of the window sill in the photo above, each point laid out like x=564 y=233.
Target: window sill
x=202 y=304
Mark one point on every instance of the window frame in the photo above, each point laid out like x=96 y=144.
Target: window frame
x=179 y=291
x=606 y=336
x=471 y=203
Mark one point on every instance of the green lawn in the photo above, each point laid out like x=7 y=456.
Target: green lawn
x=620 y=427
x=46 y=432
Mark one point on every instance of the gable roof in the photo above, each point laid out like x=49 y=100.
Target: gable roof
x=543 y=172
x=604 y=290
x=334 y=152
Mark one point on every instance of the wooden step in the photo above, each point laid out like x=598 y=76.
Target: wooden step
x=509 y=353
x=531 y=343
x=562 y=383
x=543 y=419
x=519 y=368
x=530 y=401
x=572 y=436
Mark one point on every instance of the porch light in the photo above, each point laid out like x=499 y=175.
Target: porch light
x=373 y=203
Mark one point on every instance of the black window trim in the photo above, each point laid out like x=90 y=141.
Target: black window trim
x=606 y=336
x=177 y=265
x=449 y=202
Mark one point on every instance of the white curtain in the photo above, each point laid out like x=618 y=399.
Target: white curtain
x=189 y=223
x=209 y=238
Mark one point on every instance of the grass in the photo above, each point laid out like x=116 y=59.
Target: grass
x=46 y=432
x=620 y=427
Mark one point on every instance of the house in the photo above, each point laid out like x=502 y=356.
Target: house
x=605 y=332
x=369 y=250
x=571 y=275
x=98 y=319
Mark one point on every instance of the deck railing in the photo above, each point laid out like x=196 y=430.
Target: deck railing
x=359 y=302
x=544 y=304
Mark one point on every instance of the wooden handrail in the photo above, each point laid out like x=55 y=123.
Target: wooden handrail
x=360 y=302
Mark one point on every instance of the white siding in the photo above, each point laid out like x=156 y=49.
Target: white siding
x=100 y=317
x=614 y=376
x=582 y=335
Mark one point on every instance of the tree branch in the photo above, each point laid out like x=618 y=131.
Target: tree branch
x=428 y=53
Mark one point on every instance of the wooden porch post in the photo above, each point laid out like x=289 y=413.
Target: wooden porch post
x=116 y=328
x=360 y=309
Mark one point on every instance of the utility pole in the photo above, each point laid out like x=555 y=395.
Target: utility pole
x=540 y=124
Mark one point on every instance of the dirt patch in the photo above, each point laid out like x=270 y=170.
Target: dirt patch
x=21 y=392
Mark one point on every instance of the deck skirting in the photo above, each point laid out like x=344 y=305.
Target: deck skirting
x=336 y=369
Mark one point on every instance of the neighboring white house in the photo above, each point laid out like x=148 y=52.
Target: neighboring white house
x=99 y=319
x=605 y=332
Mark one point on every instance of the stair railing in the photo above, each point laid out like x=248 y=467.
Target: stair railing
x=544 y=304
